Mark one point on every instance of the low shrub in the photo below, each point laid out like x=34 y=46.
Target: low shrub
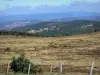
x=21 y=64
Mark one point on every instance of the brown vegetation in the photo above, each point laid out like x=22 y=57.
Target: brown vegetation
x=76 y=52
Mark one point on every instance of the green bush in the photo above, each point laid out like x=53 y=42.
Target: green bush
x=20 y=64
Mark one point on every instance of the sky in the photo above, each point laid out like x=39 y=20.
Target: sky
x=42 y=6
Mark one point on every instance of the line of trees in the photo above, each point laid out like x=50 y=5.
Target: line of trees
x=16 y=33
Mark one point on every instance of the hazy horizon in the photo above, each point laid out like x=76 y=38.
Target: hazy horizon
x=14 y=7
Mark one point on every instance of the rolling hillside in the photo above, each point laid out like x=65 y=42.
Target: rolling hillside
x=76 y=52
x=57 y=28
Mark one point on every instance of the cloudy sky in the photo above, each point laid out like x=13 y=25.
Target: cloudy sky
x=42 y=6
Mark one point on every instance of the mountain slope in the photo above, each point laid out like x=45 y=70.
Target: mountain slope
x=56 y=28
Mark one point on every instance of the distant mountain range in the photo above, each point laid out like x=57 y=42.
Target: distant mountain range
x=52 y=24
x=13 y=21
x=56 y=28
x=66 y=16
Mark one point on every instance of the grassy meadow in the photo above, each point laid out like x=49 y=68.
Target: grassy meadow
x=76 y=52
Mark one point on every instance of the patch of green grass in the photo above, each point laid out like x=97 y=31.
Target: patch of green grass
x=46 y=73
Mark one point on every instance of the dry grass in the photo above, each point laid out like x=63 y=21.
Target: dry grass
x=76 y=52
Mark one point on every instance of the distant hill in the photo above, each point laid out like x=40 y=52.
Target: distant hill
x=19 y=20
x=56 y=28
x=9 y=24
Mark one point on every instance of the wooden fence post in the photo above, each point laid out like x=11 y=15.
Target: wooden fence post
x=60 y=66
x=29 y=68
x=7 y=68
x=91 y=70
x=51 y=68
